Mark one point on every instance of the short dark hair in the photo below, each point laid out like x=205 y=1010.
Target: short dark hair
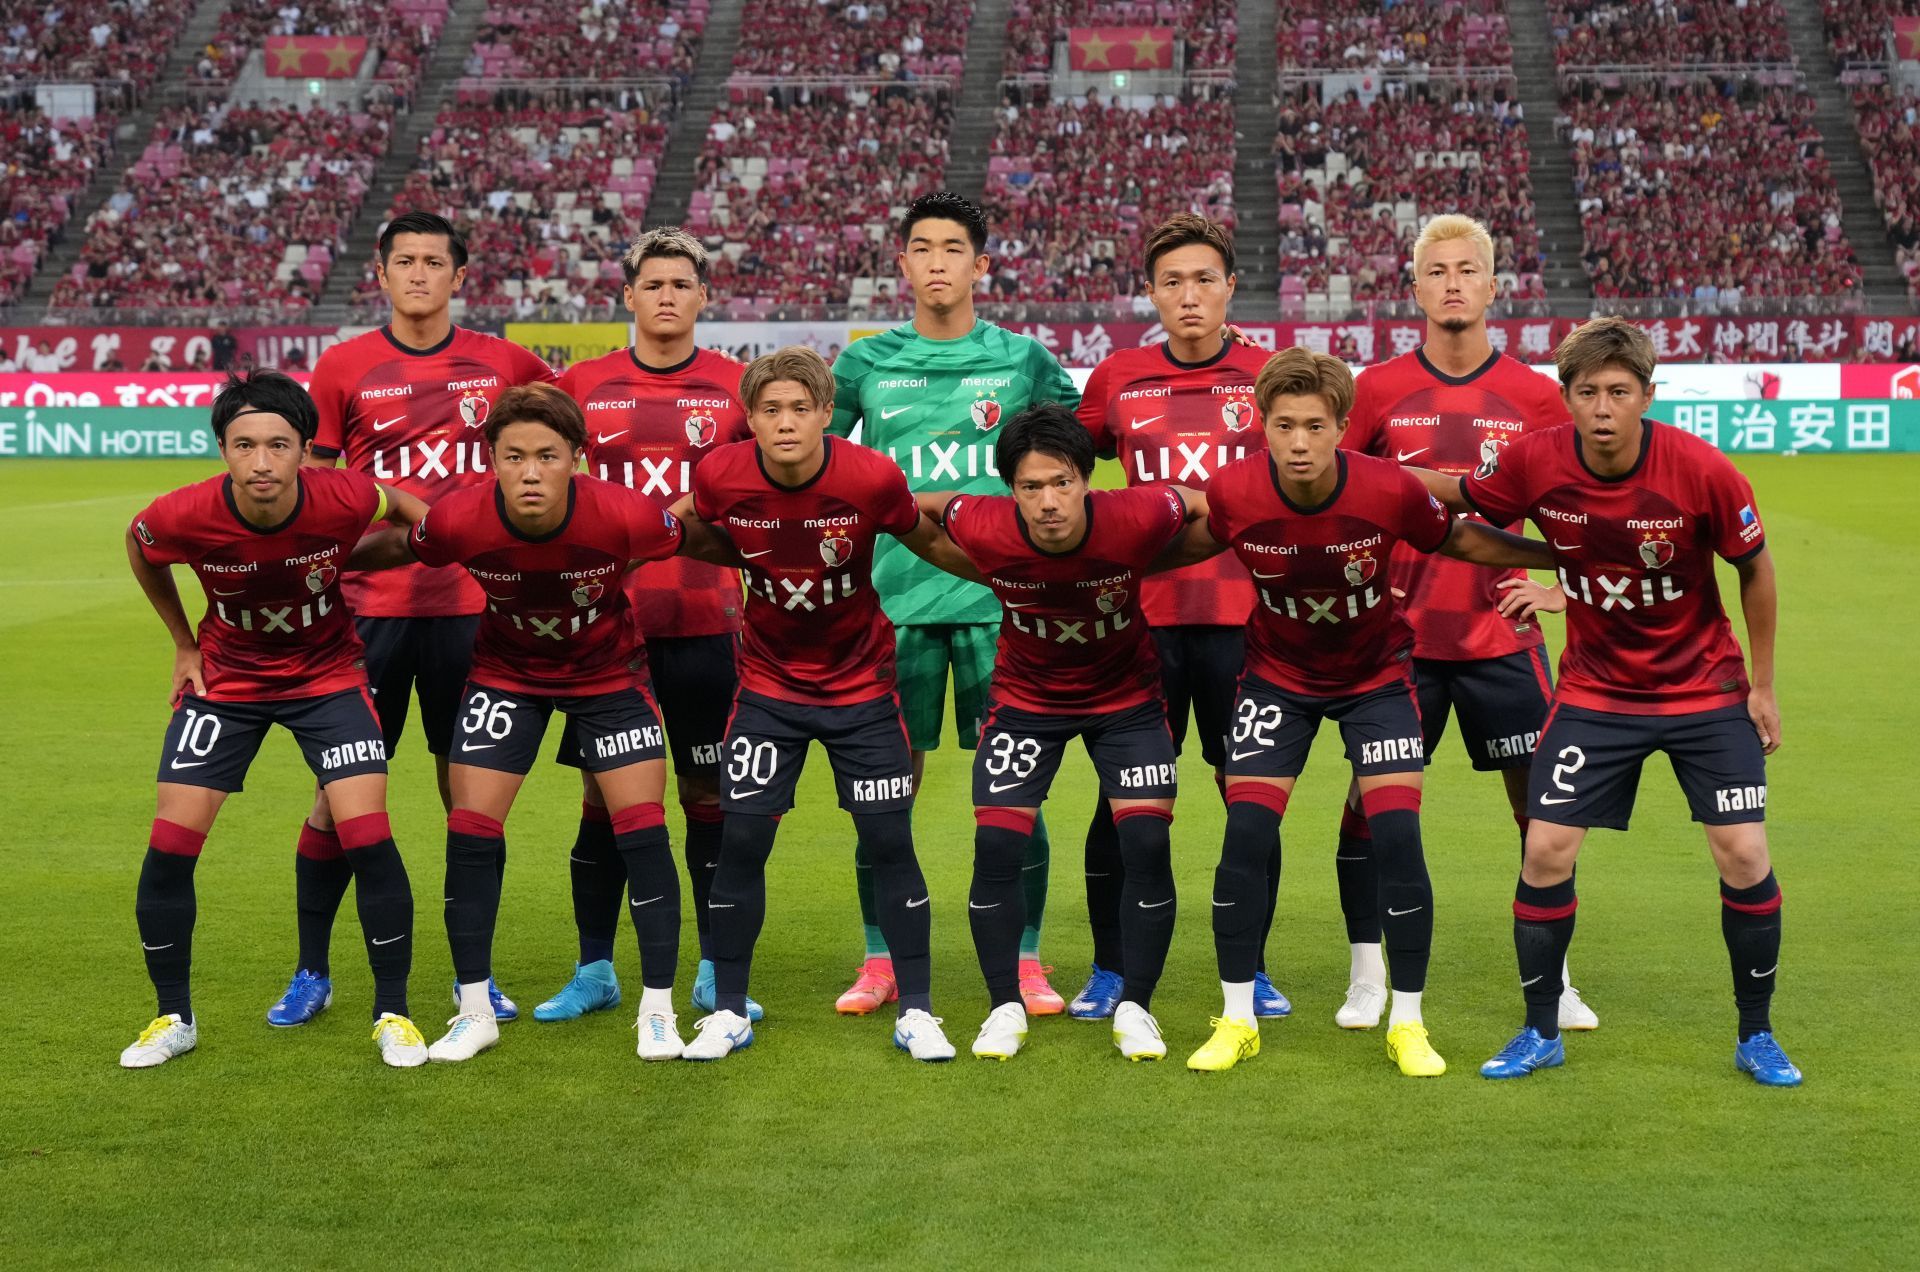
x=424 y=223
x=538 y=404
x=268 y=392
x=945 y=205
x=1049 y=428
x=1188 y=229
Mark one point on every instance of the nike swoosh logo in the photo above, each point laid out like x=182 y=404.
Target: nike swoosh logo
x=236 y=591
x=390 y=940
x=571 y=857
x=712 y=865
x=1525 y=983
x=1143 y=423
x=484 y=746
x=190 y=764
x=997 y=787
x=888 y=413
x=1226 y=904
x=1404 y=456
x=975 y=905
x=914 y=905
x=1394 y=914
x=1017 y=604
x=715 y=905
x=1102 y=874
x=1241 y=755
x=1564 y=547
x=1551 y=799
x=1339 y=858
x=751 y=555
x=744 y=794
x=601 y=439
x=1156 y=904
x=167 y=946
x=648 y=901
x=1758 y=975
x=1277 y=574
x=380 y=426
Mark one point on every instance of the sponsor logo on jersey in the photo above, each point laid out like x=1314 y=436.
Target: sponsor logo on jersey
x=1360 y=568
x=986 y=412
x=1489 y=457
x=474 y=407
x=1237 y=415
x=1656 y=550
x=589 y=592
x=702 y=429
x=836 y=547
x=1111 y=600
x=320 y=577
x=146 y=535
x=1740 y=799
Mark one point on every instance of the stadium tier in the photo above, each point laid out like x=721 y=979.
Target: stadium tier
x=404 y=33
x=45 y=162
x=905 y=39
x=1360 y=34
x=1669 y=32
x=1035 y=27
x=89 y=40
x=561 y=39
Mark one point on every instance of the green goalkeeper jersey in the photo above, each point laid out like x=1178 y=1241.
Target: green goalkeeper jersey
x=935 y=407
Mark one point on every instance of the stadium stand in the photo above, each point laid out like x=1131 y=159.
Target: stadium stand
x=44 y=165
x=1357 y=34
x=403 y=34
x=1857 y=30
x=1209 y=28
x=569 y=39
x=901 y=39
x=81 y=40
x=1669 y=32
x=1889 y=124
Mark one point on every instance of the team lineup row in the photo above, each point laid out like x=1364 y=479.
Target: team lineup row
x=814 y=586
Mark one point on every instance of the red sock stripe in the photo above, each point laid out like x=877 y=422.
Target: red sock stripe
x=1390 y=799
x=595 y=813
x=173 y=838
x=1143 y=810
x=708 y=813
x=463 y=821
x=1353 y=823
x=639 y=817
x=1544 y=913
x=317 y=844
x=1258 y=793
x=1017 y=820
x=364 y=831
x=1770 y=906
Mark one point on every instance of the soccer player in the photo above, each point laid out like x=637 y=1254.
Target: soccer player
x=268 y=540
x=803 y=511
x=1636 y=511
x=1074 y=661
x=930 y=394
x=654 y=412
x=405 y=404
x=1314 y=525
x=1180 y=411
x=548 y=545
x=1448 y=406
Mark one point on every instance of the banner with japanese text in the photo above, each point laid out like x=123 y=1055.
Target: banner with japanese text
x=1783 y=426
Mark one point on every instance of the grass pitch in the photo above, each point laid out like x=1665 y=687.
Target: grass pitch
x=822 y=1145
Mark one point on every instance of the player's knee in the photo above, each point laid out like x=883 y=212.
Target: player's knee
x=474 y=839
x=887 y=838
x=1740 y=853
x=1000 y=839
x=1146 y=842
x=746 y=841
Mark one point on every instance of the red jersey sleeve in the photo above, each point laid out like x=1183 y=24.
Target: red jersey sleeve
x=1503 y=495
x=437 y=543
x=329 y=394
x=569 y=382
x=1093 y=411
x=1424 y=521
x=703 y=482
x=954 y=519
x=653 y=533
x=157 y=531
x=1737 y=530
x=893 y=500
x=1363 y=421
x=529 y=367
x=1162 y=512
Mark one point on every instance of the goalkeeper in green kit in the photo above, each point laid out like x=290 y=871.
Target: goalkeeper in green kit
x=931 y=395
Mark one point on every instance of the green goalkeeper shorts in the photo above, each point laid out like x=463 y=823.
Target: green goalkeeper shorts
x=922 y=655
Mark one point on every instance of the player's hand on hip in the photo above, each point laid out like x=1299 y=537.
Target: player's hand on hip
x=1524 y=598
x=1765 y=714
x=187 y=672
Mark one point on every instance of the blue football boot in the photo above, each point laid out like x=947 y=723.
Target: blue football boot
x=703 y=993
x=1099 y=997
x=306 y=997
x=593 y=988
x=1268 y=1002
x=1761 y=1056
x=1528 y=1051
x=504 y=1008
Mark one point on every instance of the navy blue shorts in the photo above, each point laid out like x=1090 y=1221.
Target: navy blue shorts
x=212 y=744
x=1501 y=702
x=431 y=656
x=1587 y=770
x=694 y=679
x=766 y=749
x=1020 y=751
x=1200 y=671
x=500 y=729
x=1273 y=729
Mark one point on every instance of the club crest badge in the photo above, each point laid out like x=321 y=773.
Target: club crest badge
x=589 y=592
x=1111 y=599
x=474 y=407
x=1489 y=458
x=321 y=577
x=1656 y=551
x=836 y=548
x=986 y=413
x=1360 y=568
x=702 y=429
x=1236 y=415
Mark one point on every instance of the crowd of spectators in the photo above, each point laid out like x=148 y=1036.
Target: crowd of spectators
x=45 y=163
x=1358 y=176
x=1857 y=30
x=1668 y=32
x=1209 y=28
x=1889 y=123
x=1073 y=186
x=890 y=39
x=797 y=196
x=228 y=206
x=75 y=40
x=548 y=193
x=399 y=36
x=588 y=39
x=1367 y=34
x=1674 y=201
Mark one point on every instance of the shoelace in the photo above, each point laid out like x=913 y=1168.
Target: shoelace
x=460 y=1026
x=1763 y=1050
x=909 y=1019
x=1038 y=971
x=406 y=1034
x=153 y=1031
x=1102 y=984
x=657 y=1026
x=1522 y=1046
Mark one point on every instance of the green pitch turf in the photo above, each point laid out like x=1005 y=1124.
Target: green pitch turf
x=822 y=1145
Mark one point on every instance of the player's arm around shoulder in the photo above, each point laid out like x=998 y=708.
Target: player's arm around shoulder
x=384 y=545
x=1195 y=541
x=702 y=540
x=931 y=539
